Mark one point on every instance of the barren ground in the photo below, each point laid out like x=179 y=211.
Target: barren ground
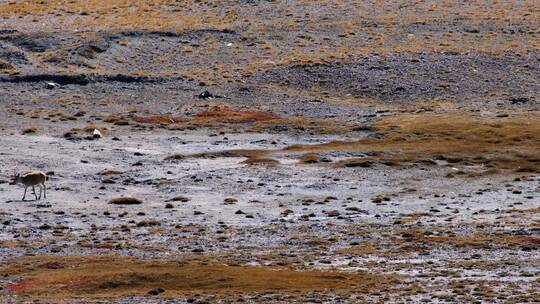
x=343 y=152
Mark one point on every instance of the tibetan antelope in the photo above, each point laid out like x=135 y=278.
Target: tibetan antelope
x=32 y=179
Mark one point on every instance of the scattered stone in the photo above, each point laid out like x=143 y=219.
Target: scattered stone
x=148 y=223
x=153 y=292
x=125 y=200
x=519 y=100
x=96 y=134
x=56 y=249
x=230 y=200
x=359 y=164
x=207 y=95
x=333 y=213
x=30 y=130
x=286 y=212
x=51 y=85
x=182 y=199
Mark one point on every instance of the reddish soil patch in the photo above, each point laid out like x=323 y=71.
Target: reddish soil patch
x=21 y=286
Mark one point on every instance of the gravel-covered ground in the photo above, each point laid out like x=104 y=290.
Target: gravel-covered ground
x=282 y=151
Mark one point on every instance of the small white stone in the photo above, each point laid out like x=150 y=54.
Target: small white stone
x=97 y=134
x=52 y=85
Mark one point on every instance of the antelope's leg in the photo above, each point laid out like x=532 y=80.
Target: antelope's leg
x=24 y=196
x=44 y=190
x=34 y=191
x=40 y=190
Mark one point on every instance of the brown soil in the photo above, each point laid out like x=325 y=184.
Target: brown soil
x=158 y=119
x=112 y=276
x=225 y=114
x=485 y=241
x=458 y=138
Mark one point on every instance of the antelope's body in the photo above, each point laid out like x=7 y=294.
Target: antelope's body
x=32 y=179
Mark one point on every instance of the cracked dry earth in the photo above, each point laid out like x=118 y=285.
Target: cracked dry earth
x=278 y=152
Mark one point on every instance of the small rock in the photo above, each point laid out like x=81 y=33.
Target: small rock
x=125 y=200
x=148 y=223
x=205 y=95
x=153 y=292
x=230 y=200
x=377 y=200
x=333 y=213
x=51 y=85
x=96 y=134
x=44 y=227
x=517 y=100
x=528 y=248
x=359 y=164
x=56 y=249
x=182 y=199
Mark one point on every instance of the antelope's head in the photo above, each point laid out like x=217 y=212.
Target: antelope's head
x=16 y=179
